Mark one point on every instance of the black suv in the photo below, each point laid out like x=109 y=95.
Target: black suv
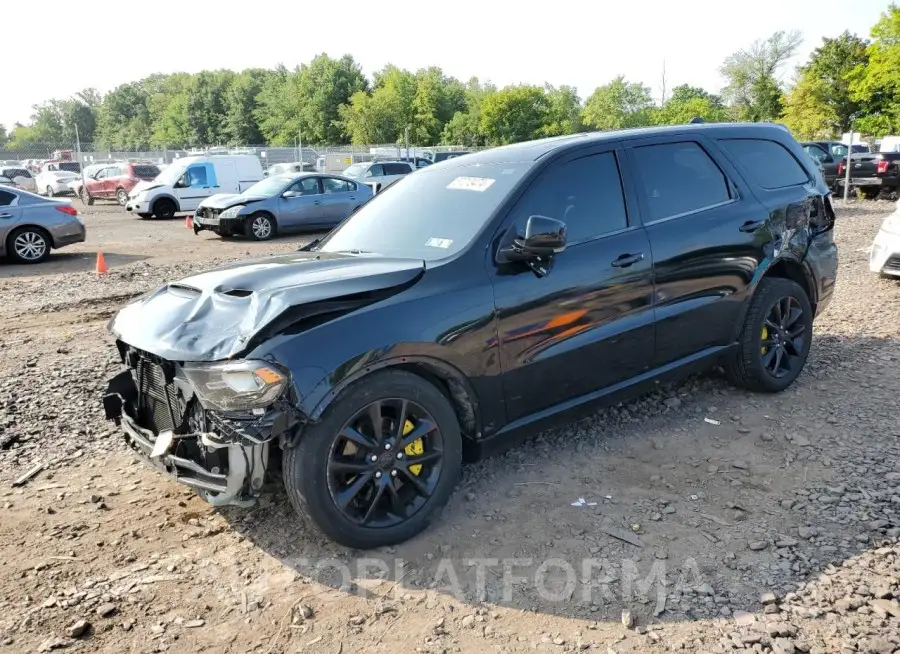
x=474 y=302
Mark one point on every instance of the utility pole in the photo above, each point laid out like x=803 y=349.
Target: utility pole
x=847 y=172
x=406 y=140
x=664 y=82
x=300 y=148
x=78 y=155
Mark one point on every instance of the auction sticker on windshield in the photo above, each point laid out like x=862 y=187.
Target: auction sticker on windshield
x=471 y=183
x=439 y=242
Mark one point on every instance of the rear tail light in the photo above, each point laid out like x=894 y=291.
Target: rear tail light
x=841 y=168
x=882 y=167
x=67 y=208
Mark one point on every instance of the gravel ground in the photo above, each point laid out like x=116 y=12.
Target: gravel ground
x=712 y=519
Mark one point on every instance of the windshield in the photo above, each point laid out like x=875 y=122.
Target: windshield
x=15 y=172
x=269 y=186
x=170 y=175
x=145 y=171
x=428 y=215
x=71 y=166
x=356 y=171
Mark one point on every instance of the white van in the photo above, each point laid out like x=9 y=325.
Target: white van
x=189 y=180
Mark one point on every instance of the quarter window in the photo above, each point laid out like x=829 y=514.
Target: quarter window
x=767 y=164
x=586 y=194
x=6 y=198
x=679 y=178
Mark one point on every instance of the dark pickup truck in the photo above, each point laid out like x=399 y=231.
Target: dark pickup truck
x=871 y=173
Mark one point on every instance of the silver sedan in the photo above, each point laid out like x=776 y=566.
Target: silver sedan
x=30 y=225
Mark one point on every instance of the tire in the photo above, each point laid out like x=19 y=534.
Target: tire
x=746 y=368
x=50 y=192
x=260 y=226
x=144 y=216
x=121 y=197
x=86 y=197
x=164 y=209
x=868 y=193
x=309 y=481
x=28 y=245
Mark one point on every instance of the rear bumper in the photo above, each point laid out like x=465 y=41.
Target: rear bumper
x=69 y=234
x=885 y=255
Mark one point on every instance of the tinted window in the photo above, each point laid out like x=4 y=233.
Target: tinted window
x=333 y=185
x=586 y=194
x=12 y=173
x=678 y=178
x=145 y=172
x=839 y=151
x=6 y=198
x=815 y=152
x=375 y=171
x=766 y=163
x=396 y=169
x=71 y=166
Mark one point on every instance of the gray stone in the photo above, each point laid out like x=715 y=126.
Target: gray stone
x=77 y=630
x=627 y=619
x=757 y=545
x=106 y=610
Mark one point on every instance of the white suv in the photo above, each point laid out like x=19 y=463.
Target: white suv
x=378 y=174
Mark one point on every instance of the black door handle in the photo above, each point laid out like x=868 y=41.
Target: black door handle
x=752 y=225
x=626 y=260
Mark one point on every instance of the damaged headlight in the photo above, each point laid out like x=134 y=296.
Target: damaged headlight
x=232 y=212
x=236 y=385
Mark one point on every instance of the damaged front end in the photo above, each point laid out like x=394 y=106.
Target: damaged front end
x=209 y=425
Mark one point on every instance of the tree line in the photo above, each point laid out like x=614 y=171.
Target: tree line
x=847 y=79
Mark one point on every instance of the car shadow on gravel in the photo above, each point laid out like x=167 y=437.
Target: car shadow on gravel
x=690 y=503
x=66 y=262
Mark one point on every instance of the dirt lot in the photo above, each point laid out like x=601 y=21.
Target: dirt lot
x=716 y=519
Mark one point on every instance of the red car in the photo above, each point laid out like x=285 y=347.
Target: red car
x=115 y=181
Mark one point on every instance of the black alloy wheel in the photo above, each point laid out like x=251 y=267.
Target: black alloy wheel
x=385 y=463
x=783 y=338
x=775 y=339
x=379 y=464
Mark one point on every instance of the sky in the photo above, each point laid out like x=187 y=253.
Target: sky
x=583 y=44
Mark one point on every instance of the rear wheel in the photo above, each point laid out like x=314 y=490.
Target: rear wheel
x=28 y=245
x=122 y=196
x=164 y=209
x=776 y=337
x=382 y=461
x=868 y=193
x=50 y=192
x=261 y=226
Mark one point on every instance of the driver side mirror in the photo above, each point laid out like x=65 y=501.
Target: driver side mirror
x=544 y=237
x=182 y=183
x=291 y=194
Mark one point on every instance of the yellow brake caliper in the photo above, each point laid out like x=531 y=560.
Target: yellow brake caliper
x=413 y=449
x=765 y=335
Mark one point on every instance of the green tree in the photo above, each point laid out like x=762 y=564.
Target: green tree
x=754 y=89
x=875 y=84
x=437 y=99
x=278 y=113
x=322 y=87
x=618 y=105
x=4 y=137
x=241 y=127
x=382 y=116
x=513 y=114
x=124 y=117
x=564 y=113
x=464 y=128
x=687 y=102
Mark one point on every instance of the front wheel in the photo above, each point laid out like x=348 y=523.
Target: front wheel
x=260 y=226
x=86 y=197
x=164 y=209
x=776 y=337
x=122 y=197
x=379 y=465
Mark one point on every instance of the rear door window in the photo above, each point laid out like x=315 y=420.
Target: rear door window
x=679 y=178
x=397 y=169
x=766 y=163
x=332 y=185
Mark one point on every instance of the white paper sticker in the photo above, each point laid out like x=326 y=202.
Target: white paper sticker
x=471 y=183
x=443 y=243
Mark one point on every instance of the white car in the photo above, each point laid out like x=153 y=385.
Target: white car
x=378 y=174
x=20 y=176
x=885 y=255
x=56 y=182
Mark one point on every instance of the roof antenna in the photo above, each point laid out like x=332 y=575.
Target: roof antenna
x=696 y=120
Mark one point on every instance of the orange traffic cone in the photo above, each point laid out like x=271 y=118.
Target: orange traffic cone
x=101 y=264
x=189 y=222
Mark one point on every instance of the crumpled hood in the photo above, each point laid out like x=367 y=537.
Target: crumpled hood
x=226 y=200
x=215 y=314
x=143 y=186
